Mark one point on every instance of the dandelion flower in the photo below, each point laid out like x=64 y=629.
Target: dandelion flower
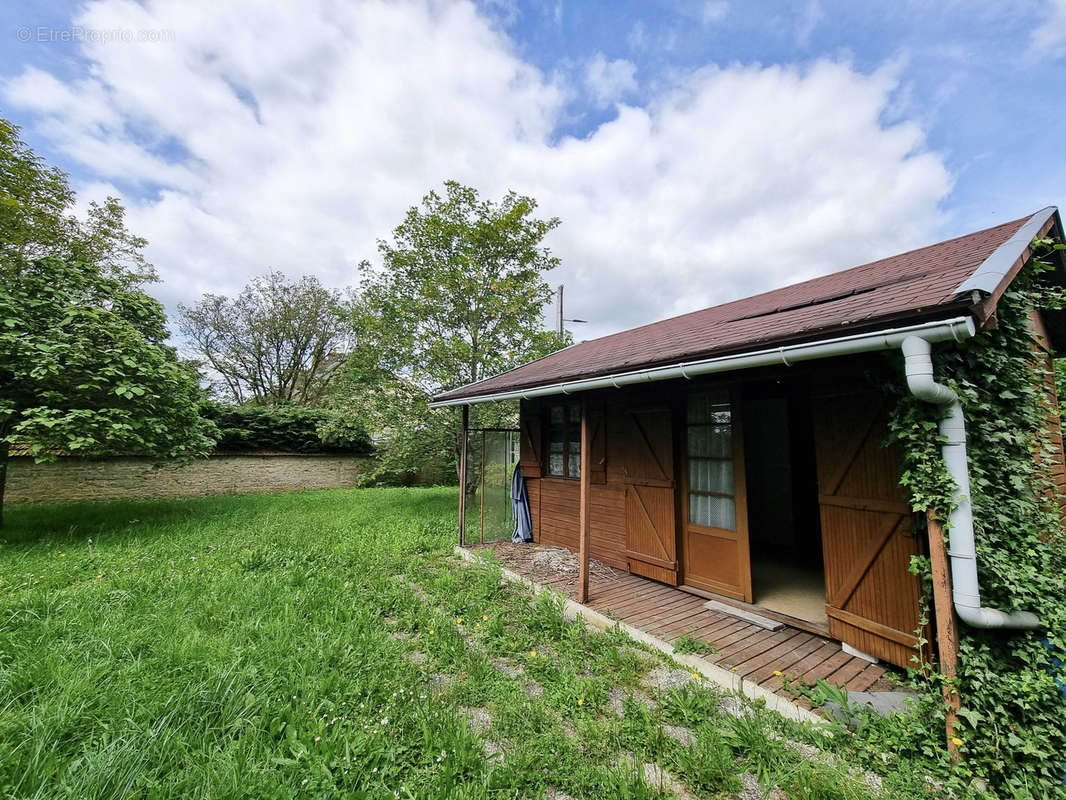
x=431 y=631
x=955 y=740
x=778 y=673
x=580 y=701
x=458 y=620
x=532 y=653
x=696 y=675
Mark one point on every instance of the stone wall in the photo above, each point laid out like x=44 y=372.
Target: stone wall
x=71 y=479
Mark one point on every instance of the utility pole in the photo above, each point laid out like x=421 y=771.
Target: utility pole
x=559 y=313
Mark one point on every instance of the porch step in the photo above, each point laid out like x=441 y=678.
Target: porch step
x=744 y=614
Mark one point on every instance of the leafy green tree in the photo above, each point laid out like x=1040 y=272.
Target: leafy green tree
x=278 y=341
x=84 y=367
x=460 y=296
x=35 y=219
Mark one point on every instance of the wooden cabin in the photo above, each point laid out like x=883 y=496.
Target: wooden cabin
x=738 y=452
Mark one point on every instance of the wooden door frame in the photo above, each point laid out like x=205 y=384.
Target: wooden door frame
x=735 y=389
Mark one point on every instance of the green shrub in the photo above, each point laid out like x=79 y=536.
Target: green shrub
x=283 y=428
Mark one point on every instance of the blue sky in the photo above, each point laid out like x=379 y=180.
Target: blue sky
x=667 y=136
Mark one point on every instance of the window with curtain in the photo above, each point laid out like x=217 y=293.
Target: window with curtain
x=711 y=500
x=564 y=440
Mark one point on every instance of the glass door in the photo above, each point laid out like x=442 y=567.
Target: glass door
x=716 y=557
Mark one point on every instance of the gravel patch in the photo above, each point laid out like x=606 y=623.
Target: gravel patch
x=733 y=706
x=656 y=776
x=507 y=667
x=663 y=677
x=477 y=718
x=617 y=695
x=439 y=681
x=679 y=734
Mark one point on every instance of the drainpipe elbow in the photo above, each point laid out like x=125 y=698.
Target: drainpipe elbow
x=917 y=355
x=985 y=617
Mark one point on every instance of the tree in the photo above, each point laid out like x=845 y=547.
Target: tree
x=36 y=198
x=84 y=367
x=460 y=296
x=279 y=341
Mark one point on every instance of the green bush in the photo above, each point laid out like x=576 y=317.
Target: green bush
x=284 y=428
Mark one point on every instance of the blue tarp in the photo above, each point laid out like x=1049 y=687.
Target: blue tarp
x=523 y=525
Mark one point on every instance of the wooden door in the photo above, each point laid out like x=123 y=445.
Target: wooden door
x=648 y=472
x=868 y=530
x=716 y=553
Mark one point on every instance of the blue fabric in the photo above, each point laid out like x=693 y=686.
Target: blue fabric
x=523 y=525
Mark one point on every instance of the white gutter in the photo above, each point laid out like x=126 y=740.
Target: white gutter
x=962 y=549
x=955 y=329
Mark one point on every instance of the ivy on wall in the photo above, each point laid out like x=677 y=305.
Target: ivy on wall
x=1013 y=719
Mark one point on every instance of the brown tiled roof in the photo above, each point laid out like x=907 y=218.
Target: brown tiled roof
x=919 y=283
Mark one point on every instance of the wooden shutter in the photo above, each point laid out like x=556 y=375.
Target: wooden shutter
x=648 y=469
x=868 y=529
x=531 y=442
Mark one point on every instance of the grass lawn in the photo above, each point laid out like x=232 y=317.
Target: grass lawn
x=329 y=644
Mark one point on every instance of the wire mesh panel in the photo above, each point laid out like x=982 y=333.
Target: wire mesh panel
x=491 y=458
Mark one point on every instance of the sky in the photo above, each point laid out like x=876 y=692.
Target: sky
x=695 y=152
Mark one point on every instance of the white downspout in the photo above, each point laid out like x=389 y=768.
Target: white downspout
x=961 y=548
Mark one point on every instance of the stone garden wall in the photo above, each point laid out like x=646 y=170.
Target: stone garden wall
x=71 y=479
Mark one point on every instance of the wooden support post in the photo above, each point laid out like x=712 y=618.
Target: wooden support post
x=947 y=632
x=462 y=474
x=584 y=522
x=481 y=535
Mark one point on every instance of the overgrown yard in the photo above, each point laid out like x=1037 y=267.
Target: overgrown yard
x=329 y=644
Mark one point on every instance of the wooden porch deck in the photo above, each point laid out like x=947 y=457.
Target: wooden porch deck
x=669 y=613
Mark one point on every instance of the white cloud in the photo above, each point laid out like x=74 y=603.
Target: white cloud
x=294 y=136
x=610 y=81
x=1051 y=35
x=715 y=11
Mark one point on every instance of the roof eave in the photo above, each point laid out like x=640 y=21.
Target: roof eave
x=957 y=329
